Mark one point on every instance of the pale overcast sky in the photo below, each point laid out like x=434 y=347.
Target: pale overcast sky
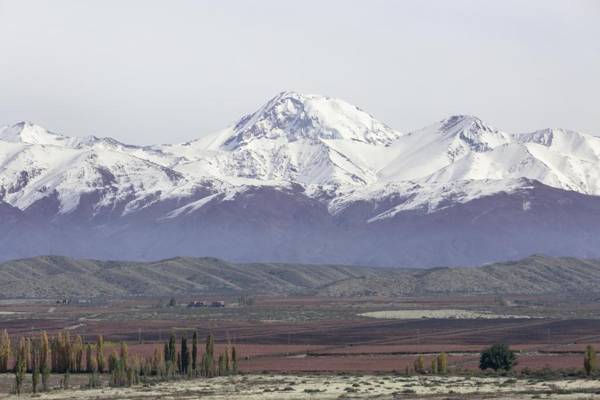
x=170 y=71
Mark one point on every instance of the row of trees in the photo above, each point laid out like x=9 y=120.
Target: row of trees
x=439 y=364
x=171 y=362
x=63 y=354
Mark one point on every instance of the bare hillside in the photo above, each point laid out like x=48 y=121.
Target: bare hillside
x=53 y=276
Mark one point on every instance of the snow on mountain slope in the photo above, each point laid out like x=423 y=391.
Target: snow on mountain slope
x=572 y=157
x=32 y=172
x=336 y=152
x=508 y=161
x=424 y=152
x=424 y=197
x=312 y=140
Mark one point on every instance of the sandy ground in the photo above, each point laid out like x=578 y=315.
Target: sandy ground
x=443 y=313
x=288 y=387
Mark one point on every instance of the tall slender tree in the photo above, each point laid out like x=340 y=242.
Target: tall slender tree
x=78 y=354
x=227 y=361
x=419 y=364
x=35 y=365
x=208 y=358
x=44 y=351
x=234 y=360
x=590 y=363
x=89 y=359
x=27 y=354
x=5 y=351
x=45 y=361
x=124 y=355
x=442 y=363
x=173 y=349
x=194 y=351
x=185 y=356
x=100 y=354
x=221 y=364
x=20 y=366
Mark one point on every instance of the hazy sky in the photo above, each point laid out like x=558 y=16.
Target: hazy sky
x=170 y=71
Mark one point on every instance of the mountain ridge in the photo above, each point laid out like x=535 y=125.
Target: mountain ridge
x=318 y=177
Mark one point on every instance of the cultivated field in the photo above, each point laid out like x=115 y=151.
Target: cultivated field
x=327 y=347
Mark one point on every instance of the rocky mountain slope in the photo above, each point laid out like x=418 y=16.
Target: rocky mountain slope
x=307 y=179
x=57 y=277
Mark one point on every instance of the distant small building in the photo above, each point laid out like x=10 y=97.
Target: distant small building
x=200 y=304
x=193 y=304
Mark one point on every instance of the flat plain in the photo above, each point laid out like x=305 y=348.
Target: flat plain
x=310 y=340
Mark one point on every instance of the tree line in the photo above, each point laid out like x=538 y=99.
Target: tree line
x=63 y=354
x=498 y=357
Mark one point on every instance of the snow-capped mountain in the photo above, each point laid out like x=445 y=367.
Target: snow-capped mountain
x=305 y=178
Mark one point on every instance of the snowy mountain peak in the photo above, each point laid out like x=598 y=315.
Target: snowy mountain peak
x=27 y=132
x=33 y=134
x=462 y=121
x=470 y=132
x=291 y=116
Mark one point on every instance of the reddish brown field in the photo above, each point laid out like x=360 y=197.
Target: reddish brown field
x=322 y=334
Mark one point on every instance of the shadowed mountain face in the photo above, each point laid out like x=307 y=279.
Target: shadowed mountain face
x=305 y=179
x=53 y=276
x=288 y=226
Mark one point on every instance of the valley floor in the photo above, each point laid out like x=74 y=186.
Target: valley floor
x=282 y=387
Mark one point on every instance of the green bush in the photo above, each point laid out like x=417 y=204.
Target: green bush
x=498 y=357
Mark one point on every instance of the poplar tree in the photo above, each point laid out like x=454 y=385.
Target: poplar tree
x=113 y=360
x=194 y=351
x=227 y=361
x=27 y=354
x=185 y=356
x=35 y=365
x=44 y=351
x=158 y=362
x=210 y=355
x=171 y=362
x=20 y=366
x=78 y=354
x=589 y=360
x=124 y=355
x=234 y=360
x=221 y=365
x=54 y=349
x=419 y=364
x=442 y=363
x=89 y=359
x=45 y=361
x=5 y=351
x=67 y=350
x=100 y=354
